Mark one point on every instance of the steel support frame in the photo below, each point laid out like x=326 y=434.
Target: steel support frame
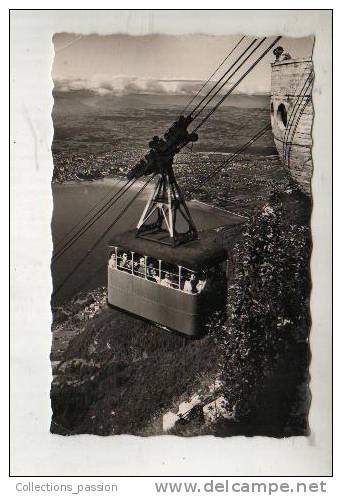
x=165 y=202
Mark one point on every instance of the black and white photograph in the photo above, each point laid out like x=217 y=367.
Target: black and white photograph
x=181 y=229
x=170 y=251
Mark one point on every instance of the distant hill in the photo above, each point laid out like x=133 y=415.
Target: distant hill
x=88 y=98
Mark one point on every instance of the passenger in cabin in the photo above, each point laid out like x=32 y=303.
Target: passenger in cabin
x=124 y=262
x=201 y=285
x=190 y=285
x=167 y=282
x=152 y=274
x=139 y=267
x=111 y=261
x=142 y=267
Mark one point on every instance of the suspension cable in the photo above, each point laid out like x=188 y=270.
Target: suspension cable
x=181 y=145
x=123 y=211
x=93 y=208
x=94 y=219
x=213 y=74
x=230 y=77
x=240 y=150
x=98 y=240
x=294 y=124
x=223 y=76
x=303 y=90
x=290 y=144
x=237 y=83
x=295 y=110
x=119 y=194
x=302 y=94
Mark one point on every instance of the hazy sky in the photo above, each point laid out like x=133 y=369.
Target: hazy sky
x=122 y=63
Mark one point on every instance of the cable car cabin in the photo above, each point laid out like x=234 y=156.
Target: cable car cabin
x=176 y=288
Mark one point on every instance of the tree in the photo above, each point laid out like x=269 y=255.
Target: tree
x=268 y=303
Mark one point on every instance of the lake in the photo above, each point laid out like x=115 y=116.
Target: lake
x=74 y=200
x=92 y=129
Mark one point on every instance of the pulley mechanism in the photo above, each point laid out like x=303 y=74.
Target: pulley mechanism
x=159 y=219
x=162 y=151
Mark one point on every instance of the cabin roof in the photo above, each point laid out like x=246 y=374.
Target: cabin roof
x=211 y=248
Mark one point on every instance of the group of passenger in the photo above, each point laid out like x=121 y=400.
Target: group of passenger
x=189 y=281
x=194 y=284
x=126 y=263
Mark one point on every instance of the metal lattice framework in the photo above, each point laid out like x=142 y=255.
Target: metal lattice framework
x=159 y=218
